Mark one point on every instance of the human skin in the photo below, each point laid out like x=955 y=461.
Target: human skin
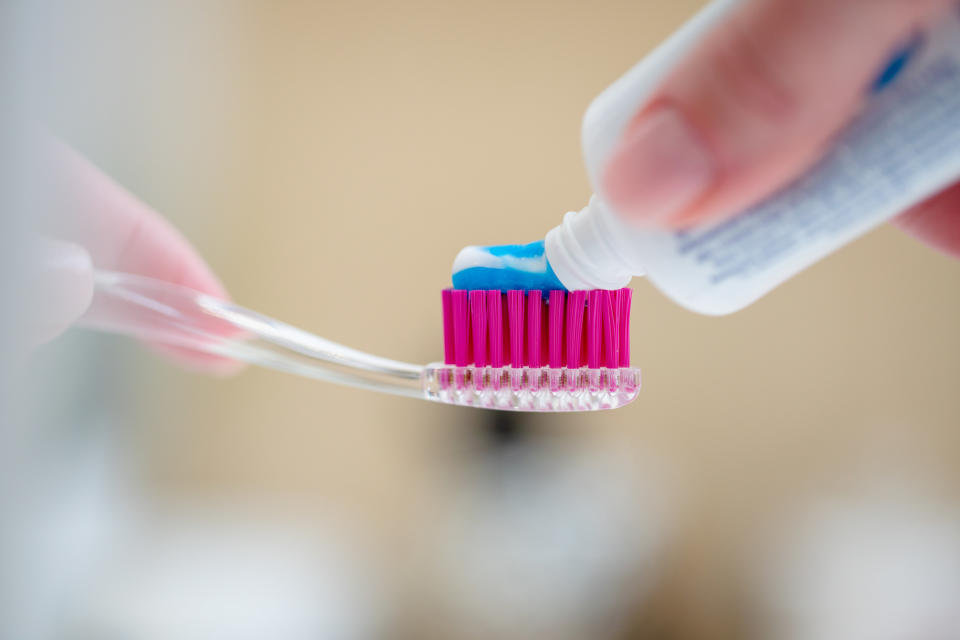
x=757 y=102
x=92 y=222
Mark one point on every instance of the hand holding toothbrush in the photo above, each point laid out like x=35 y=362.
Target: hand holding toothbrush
x=90 y=222
x=111 y=263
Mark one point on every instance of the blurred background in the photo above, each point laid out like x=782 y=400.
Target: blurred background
x=791 y=471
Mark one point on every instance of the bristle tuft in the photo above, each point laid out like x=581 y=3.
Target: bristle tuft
x=446 y=297
x=611 y=341
x=534 y=328
x=495 y=324
x=461 y=328
x=555 y=333
x=574 y=327
x=624 y=297
x=529 y=329
x=594 y=329
x=515 y=307
x=478 y=318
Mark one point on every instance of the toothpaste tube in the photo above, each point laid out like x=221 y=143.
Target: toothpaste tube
x=902 y=148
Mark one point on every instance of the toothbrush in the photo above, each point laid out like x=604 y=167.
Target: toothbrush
x=170 y=314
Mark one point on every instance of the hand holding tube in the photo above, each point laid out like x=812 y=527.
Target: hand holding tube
x=757 y=102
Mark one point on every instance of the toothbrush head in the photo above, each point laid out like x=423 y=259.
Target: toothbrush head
x=535 y=351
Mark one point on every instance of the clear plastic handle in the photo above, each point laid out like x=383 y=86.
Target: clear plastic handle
x=161 y=312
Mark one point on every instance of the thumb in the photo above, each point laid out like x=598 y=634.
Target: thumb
x=754 y=104
x=57 y=288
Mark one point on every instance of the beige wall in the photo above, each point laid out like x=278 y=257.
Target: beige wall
x=331 y=158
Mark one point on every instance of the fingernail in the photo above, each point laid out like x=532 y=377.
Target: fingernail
x=659 y=169
x=60 y=287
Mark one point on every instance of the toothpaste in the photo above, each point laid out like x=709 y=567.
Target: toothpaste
x=505 y=267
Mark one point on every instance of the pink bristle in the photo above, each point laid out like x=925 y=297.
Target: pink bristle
x=611 y=339
x=583 y=342
x=594 y=328
x=515 y=306
x=555 y=334
x=574 y=326
x=495 y=326
x=517 y=328
x=545 y=331
x=534 y=328
x=506 y=330
x=478 y=318
x=623 y=325
x=446 y=298
x=461 y=327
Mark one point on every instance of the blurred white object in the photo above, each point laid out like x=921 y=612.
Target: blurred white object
x=69 y=515
x=198 y=576
x=877 y=569
x=549 y=540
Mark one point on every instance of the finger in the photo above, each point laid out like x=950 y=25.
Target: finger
x=936 y=222
x=58 y=287
x=754 y=105
x=121 y=233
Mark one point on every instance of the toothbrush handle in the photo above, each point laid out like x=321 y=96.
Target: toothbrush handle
x=170 y=314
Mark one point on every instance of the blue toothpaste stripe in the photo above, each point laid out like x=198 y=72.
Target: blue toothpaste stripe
x=504 y=277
